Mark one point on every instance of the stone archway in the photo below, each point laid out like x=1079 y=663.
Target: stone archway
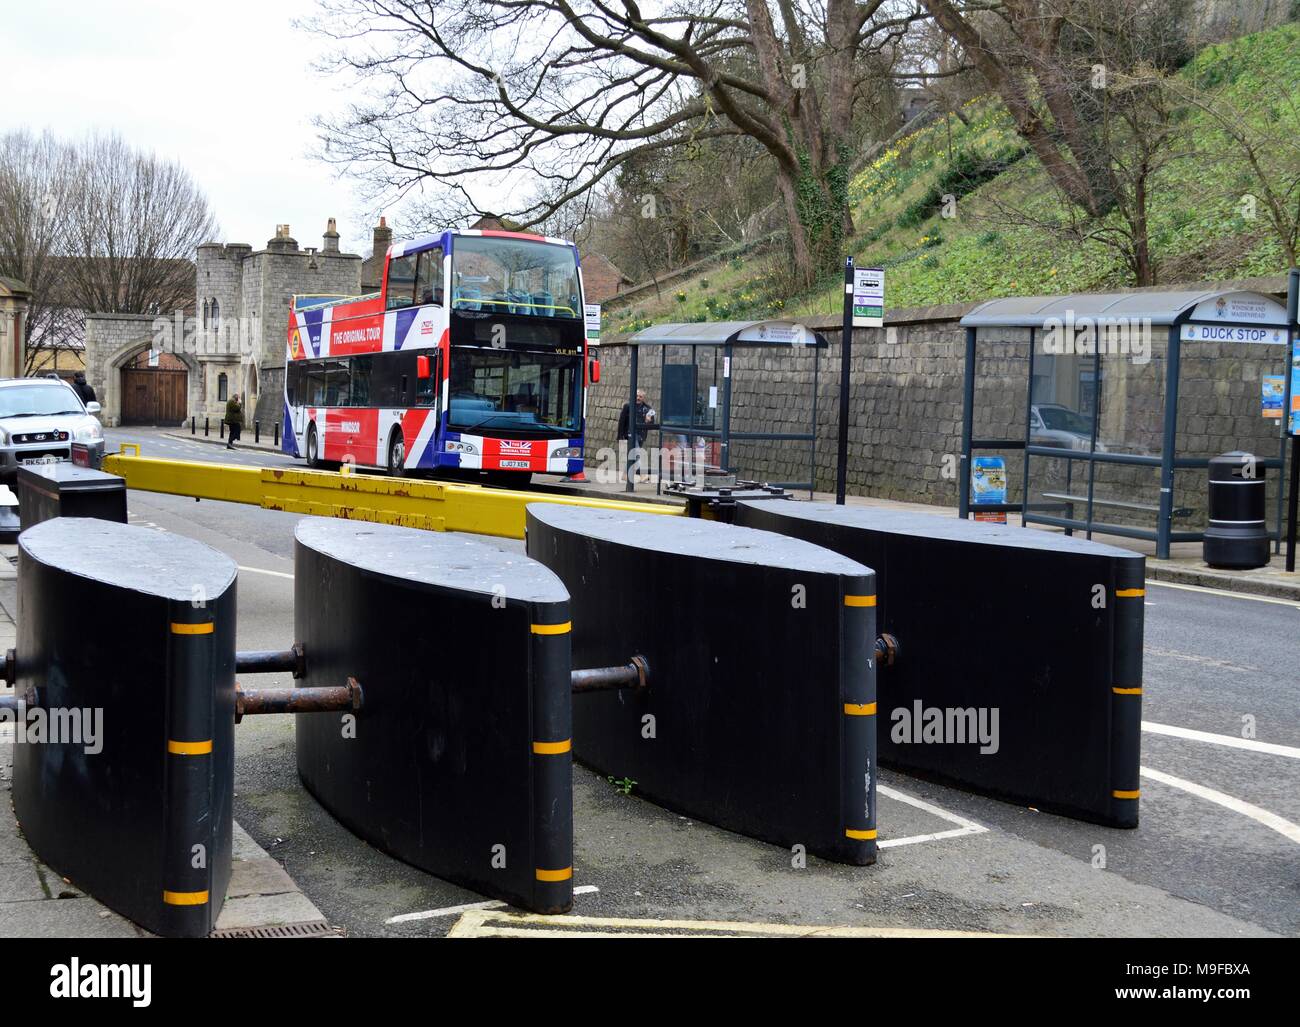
x=112 y=342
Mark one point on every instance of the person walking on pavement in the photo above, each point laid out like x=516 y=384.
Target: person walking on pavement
x=644 y=421
x=234 y=419
x=82 y=387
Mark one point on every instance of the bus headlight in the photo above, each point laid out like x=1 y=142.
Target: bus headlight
x=568 y=453
x=468 y=448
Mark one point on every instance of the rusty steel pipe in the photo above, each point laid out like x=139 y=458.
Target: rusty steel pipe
x=634 y=674
x=326 y=699
x=272 y=661
x=887 y=650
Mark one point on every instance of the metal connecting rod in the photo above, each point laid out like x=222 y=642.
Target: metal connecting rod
x=328 y=699
x=272 y=661
x=634 y=674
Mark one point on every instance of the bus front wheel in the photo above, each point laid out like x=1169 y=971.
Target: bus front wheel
x=313 y=449
x=397 y=455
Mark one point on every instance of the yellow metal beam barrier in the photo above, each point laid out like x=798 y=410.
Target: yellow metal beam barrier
x=436 y=506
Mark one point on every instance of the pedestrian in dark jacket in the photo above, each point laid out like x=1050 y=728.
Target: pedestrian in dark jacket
x=82 y=387
x=645 y=420
x=234 y=419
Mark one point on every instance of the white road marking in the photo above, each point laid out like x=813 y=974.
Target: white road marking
x=964 y=826
x=1257 y=813
x=1232 y=741
x=430 y=914
x=263 y=570
x=1224 y=592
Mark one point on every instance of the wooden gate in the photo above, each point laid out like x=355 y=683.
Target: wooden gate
x=154 y=395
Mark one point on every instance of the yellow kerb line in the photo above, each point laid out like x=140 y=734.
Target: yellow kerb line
x=192 y=629
x=189 y=748
x=553 y=629
x=859 y=600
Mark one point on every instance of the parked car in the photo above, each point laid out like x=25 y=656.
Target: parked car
x=1051 y=424
x=41 y=418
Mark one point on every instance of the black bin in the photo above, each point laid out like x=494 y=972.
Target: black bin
x=1236 y=536
x=66 y=490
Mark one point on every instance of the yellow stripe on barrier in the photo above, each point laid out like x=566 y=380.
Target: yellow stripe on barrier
x=431 y=505
x=552 y=748
x=553 y=629
x=1130 y=593
x=189 y=748
x=1125 y=795
x=555 y=875
x=1127 y=691
x=860 y=836
x=192 y=629
x=185 y=898
x=865 y=709
x=859 y=600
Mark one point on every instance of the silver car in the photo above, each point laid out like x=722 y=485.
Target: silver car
x=40 y=418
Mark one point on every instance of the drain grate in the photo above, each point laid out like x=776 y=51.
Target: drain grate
x=311 y=929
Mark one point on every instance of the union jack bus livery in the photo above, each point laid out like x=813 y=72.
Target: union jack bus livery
x=471 y=359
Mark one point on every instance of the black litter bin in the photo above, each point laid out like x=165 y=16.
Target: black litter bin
x=1236 y=536
x=66 y=490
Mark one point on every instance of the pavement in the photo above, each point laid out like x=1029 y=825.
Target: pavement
x=1215 y=855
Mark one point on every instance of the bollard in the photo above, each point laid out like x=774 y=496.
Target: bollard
x=66 y=490
x=191 y=424
x=221 y=428
x=1041 y=632
x=459 y=763
x=739 y=727
x=205 y=427
x=257 y=431
x=277 y=434
x=132 y=802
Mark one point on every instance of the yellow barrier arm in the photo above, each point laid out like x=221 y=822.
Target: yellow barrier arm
x=436 y=506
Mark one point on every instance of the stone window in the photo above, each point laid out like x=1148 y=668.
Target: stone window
x=222 y=388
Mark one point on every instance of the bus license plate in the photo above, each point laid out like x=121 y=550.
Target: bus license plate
x=520 y=464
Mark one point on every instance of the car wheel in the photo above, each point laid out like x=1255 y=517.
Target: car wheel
x=397 y=455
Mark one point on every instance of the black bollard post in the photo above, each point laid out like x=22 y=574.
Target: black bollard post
x=205 y=427
x=277 y=434
x=257 y=431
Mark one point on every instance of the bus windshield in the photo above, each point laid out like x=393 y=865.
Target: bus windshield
x=495 y=391
x=497 y=274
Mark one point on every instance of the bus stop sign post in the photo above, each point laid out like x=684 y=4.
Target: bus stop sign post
x=846 y=353
x=1291 y=415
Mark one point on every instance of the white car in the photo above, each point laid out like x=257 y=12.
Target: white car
x=41 y=418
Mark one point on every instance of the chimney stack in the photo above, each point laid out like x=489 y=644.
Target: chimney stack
x=383 y=237
x=331 y=238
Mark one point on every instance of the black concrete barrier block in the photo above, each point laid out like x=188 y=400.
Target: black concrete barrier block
x=760 y=712
x=124 y=762
x=65 y=490
x=1041 y=631
x=459 y=761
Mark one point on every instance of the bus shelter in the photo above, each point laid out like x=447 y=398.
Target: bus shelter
x=700 y=387
x=1126 y=397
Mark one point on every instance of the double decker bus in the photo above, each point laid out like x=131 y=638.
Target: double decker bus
x=471 y=362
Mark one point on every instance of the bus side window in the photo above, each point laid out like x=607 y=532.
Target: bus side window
x=428 y=277
x=315 y=394
x=401 y=282
x=293 y=383
x=361 y=373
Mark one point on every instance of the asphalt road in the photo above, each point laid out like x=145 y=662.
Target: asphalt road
x=1217 y=853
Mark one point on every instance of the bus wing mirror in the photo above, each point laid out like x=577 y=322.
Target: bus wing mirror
x=422 y=368
x=594 y=374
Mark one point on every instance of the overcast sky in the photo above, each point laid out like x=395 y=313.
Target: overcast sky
x=226 y=89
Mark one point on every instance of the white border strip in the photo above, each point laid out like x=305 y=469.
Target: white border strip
x=964 y=826
x=431 y=914
x=1204 y=590
x=1231 y=741
x=1256 y=813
